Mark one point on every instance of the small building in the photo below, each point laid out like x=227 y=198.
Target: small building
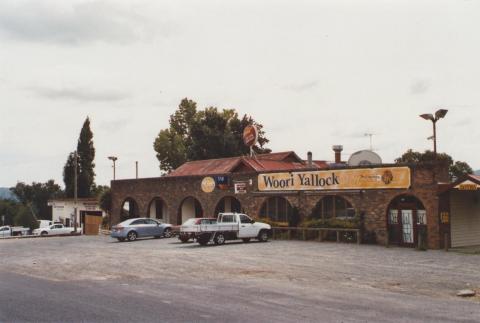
x=461 y=211
x=89 y=214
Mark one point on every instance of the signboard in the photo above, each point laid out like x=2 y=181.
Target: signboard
x=250 y=135
x=240 y=188
x=467 y=186
x=221 y=182
x=336 y=179
x=208 y=184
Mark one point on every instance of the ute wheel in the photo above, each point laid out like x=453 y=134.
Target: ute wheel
x=167 y=233
x=263 y=236
x=219 y=239
x=121 y=239
x=184 y=239
x=44 y=233
x=132 y=236
x=246 y=240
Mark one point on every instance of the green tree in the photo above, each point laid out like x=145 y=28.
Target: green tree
x=195 y=135
x=85 y=165
x=25 y=218
x=35 y=196
x=8 y=209
x=456 y=169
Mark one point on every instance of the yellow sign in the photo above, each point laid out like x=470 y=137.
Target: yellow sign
x=467 y=186
x=444 y=217
x=336 y=179
x=208 y=184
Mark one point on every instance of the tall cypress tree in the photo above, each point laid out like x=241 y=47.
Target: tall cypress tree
x=85 y=166
x=86 y=156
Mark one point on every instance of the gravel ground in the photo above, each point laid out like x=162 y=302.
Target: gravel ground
x=295 y=268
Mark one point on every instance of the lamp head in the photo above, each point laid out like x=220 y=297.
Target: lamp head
x=440 y=114
x=113 y=158
x=427 y=116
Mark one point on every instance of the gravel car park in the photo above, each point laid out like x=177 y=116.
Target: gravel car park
x=320 y=280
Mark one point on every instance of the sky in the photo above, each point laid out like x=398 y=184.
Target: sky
x=314 y=73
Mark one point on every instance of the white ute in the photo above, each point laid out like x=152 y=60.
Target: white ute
x=229 y=226
x=53 y=230
x=7 y=231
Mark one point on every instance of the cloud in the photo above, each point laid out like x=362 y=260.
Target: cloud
x=66 y=23
x=300 y=87
x=79 y=94
x=419 y=87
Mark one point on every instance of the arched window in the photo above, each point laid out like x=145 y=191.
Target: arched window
x=157 y=209
x=277 y=209
x=333 y=207
x=129 y=209
x=228 y=204
x=189 y=208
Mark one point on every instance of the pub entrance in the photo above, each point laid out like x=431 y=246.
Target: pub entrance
x=406 y=217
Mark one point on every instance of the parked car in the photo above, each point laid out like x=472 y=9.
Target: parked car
x=229 y=226
x=132 y=229
x=8 y=231
x=44 y=223
x=54 y=229
x=185 y=236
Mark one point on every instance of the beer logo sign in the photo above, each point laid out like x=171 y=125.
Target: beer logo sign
x=250 y=135
x=208 y=184
x=387 y=177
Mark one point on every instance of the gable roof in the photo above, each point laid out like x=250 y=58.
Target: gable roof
x=264 y=162
x=469 y=178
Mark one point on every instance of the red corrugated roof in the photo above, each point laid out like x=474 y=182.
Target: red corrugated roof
x=264 y=162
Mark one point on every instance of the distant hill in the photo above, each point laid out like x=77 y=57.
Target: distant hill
x=6 y=194
x=477 y=172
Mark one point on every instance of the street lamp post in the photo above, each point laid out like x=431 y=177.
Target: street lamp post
x=439 y=114
x=75 y=191
x=114 y=159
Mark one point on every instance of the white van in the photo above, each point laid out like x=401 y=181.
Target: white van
x=44 y=223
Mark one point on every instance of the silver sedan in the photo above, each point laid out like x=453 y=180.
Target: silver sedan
x=132 y=229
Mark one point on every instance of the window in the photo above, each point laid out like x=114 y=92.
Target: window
x=393 y=217
x=333 y=207
x=150 y=221
x=137 y=222
x=228 y=218
x=245 y=219
x=277 y=209
x=421 y=217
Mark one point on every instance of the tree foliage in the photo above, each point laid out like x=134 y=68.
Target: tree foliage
x=456 y=169
x=85 y=165
x=205 y=134
x=35 y=197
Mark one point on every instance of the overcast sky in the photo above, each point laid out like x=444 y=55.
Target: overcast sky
x=314 y=73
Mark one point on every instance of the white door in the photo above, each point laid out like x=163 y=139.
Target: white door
x=247 y=228
x=407 y=226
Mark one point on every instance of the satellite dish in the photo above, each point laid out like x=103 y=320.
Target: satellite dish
x=364 y=158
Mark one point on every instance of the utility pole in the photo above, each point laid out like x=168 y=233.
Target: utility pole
x=136 y=169
x=75 y=193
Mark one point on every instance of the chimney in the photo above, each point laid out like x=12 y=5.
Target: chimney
x=309 y=159
x=338 y=153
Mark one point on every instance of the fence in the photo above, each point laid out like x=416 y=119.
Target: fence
x=319 y=234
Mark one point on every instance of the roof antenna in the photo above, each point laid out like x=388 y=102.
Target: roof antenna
x=370 y=135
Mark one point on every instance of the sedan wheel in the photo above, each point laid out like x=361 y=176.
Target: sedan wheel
x=167 y=233
x=132 y=236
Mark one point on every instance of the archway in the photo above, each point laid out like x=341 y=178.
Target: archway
x=333 y=206
x=129 y=209
x=228 y=204
x=406 y=216
x=189 y=208
x=157 y=209
x=277 y=209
